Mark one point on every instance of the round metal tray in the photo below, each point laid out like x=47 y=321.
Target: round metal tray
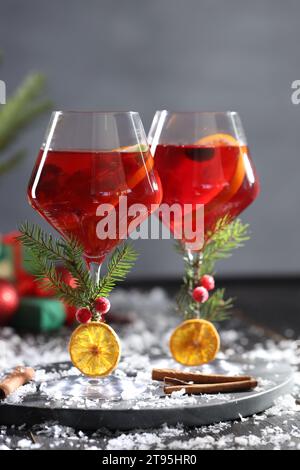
x=275 y=379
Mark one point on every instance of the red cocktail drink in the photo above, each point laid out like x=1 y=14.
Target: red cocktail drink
x=221 y=177
x=68 y=187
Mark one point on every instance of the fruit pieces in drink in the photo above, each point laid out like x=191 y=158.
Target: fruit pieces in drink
x=69 y=186
x=216 y=171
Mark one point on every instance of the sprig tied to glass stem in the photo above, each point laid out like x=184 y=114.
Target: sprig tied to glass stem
x=226 y=236
x=46 y=252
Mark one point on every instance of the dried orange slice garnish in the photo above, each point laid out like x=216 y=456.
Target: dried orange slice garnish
x=95 y=349
x=236 y=181
x=194 y=342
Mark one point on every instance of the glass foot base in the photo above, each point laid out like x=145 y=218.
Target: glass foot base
x=107 y=388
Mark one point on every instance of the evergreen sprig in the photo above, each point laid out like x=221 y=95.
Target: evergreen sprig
x=121 y=262
x=20 y=110
x=219 y=243
x=45 y=252
x=216 y=308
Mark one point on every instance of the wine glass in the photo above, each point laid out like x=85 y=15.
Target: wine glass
x=203 y=161
x=92 y=166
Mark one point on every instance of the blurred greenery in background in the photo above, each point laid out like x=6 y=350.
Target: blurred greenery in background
x=20 y=110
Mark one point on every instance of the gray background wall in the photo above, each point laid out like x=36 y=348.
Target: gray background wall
x=186 y=54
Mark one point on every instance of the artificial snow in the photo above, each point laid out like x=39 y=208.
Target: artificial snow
x=154 y=318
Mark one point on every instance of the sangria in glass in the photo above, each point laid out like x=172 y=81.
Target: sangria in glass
x=89 y=163
x=206 y=170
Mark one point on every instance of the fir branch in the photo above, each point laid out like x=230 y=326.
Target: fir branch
x=222 y=240
x=216 y=308
x=45 y=251
x=75 y=263
x=50 y=278
x=183 y=300
x=69 y=252
x=226 y=236
x=121 y=262
x=21 y=109
x=41 y=243
x=186 y=305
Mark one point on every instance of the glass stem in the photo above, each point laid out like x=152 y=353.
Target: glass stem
x=95 y=269
x=195 y=261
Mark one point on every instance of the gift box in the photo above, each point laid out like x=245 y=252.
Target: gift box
x=39 y=310
x=7 y=270
x=39 y=315
x=15 y=265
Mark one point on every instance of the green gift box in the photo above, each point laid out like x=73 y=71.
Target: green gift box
x=14 y=258
x=6 y=263
x=39 y=315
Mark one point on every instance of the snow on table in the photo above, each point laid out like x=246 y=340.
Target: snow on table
x=146 y=336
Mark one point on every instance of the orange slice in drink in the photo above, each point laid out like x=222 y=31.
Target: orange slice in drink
x=144 y=169
x=194 y=342
x=95 y=349
x=218 y=140
x=227 y=140
x=141 y=173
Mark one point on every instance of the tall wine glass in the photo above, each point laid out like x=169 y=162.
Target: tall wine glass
x=202 y=159
x=93 y=165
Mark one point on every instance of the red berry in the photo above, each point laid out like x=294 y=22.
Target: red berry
x=70 y=311
x=200 y=294
x=66 y=276
x=83 y=315
x=207 y=281
x=102 y=305
x=41 y=290
x=9 y=301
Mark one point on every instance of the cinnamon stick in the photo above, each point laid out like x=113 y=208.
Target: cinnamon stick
x=173 y=381
x=196 y=377
x=197 y=389
x=18 y=377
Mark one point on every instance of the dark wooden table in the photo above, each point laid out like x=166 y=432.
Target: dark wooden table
x=270 y=304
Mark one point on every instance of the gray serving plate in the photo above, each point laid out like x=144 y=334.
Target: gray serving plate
x=275 y=379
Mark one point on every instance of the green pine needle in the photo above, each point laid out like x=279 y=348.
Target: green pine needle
x=45 y=252
x=20 y=110
x=216 y=308
x=121 y=262
x=222 y=240
x=226 y=236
